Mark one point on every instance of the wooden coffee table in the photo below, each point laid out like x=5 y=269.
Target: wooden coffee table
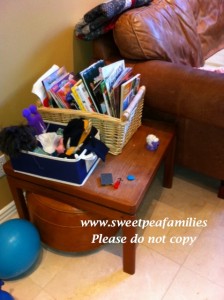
x=114 y=204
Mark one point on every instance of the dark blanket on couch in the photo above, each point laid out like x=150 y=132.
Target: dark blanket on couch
x=102 y=18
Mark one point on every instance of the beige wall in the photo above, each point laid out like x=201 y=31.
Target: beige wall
x=34 y=35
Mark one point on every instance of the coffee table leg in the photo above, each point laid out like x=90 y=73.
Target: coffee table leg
x=169 y=165
x=129 y=248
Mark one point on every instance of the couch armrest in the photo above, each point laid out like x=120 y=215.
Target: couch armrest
x=183 y=91
x=105 y=48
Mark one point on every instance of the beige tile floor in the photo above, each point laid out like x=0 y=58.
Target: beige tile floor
x=164 y=270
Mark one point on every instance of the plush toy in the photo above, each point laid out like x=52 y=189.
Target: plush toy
x=79 y=135
x=13 y=139
x=75 y=134
x=34 y=119
x=60 y=149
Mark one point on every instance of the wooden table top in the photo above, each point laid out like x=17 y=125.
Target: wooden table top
x=135 y=159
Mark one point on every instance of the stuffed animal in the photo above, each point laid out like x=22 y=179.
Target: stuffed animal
x=13 y=139
x=75 y=134
x=78 y=135
x=34 y=119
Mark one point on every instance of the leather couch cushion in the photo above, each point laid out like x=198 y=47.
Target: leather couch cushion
x=164 y=30
x=210 y=24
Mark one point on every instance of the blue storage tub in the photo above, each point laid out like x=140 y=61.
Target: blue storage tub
x=71 y=171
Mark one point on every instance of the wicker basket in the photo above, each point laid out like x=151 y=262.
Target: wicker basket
x=114 y=132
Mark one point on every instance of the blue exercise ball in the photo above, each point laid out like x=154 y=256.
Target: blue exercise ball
x=20 y=247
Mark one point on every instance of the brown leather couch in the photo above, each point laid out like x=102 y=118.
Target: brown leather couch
x=166 y=42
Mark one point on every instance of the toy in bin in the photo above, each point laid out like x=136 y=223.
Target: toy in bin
x=34 y=119
x=13 y=139
x=79 y=134
x=80 y=150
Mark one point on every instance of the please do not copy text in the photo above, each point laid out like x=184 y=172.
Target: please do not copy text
x=181 y=240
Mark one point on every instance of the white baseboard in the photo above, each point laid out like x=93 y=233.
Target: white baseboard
x=7 y=211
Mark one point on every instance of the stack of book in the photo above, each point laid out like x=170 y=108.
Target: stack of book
x=106 y=89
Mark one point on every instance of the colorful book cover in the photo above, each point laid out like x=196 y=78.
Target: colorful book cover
x=128 y=90
x=100 y=98
x=50 y=80
x=106 y=98
x=116 y=91
x=110 y=74
x=76 y=96
x=69 y=77
x=38 y=87
x=86 y=100
x=64 y=93
x=59 y=83
x=91 y=77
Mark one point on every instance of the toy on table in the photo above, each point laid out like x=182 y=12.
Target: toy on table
x=152 y=142
x=117 y=183
x=34 y=119
x=130 y=177
x=106 y=179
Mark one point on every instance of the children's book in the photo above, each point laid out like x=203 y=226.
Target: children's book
x=76 y=96
x=106 y=98
x=110 y=74
x=50 y=80
x=91 y=77
x=38 y=87
x=100 y=98
x=116 y=91
x=128 y=90
x=64 y=93
x=86 y=100
x=58 y=84
x=70 y=78
x=106 y=89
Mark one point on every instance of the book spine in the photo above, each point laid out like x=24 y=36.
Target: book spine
x=91 y=78
x=77 y=98
x=85 y=98
x=128 y=91
x=90 y=96
x=106 y=98
x=54 y=99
